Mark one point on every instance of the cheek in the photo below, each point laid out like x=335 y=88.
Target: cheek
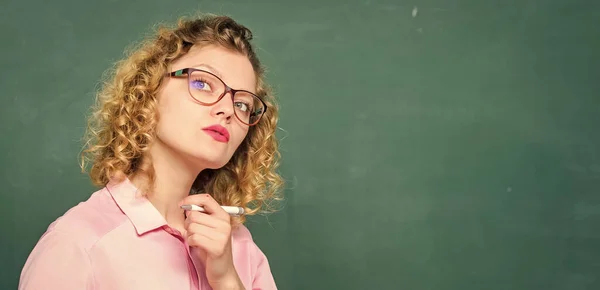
x=177 y=115
x=240 y=134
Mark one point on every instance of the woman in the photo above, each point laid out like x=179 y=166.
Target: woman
x=186 y=119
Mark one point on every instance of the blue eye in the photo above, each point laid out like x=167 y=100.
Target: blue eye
x=198 y=84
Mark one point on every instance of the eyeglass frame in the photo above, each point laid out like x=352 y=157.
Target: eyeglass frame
x=228 y=89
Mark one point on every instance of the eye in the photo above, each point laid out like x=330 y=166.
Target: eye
x=242 y=106
x=200 y=84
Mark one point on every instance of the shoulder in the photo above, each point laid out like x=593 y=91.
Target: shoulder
x=60 y=259
x=88 y=221
x=244 y=243
x=245 y=246
x=241 y=234
x=251 y=263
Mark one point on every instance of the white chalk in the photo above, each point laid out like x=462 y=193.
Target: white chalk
x=232 y=210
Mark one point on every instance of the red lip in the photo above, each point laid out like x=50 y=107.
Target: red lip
x=218 y=132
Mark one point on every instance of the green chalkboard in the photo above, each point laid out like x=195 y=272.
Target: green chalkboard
x=426 y=144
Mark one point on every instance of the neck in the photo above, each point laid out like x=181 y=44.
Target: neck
x=174 y=178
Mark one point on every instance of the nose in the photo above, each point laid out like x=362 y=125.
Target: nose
x=224 y=107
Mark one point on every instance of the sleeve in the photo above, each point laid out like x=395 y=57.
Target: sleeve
x=263 y=278
x=56 y=262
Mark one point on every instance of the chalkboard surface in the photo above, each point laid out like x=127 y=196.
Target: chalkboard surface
x=426 y=144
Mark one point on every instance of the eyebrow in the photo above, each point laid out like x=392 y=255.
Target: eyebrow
x=215 y=71
x=210 y=68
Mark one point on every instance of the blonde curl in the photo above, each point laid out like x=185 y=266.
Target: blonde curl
x=122 y=124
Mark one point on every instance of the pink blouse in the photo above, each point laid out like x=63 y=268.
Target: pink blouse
x=117 y=240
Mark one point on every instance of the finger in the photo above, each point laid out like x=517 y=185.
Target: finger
x=194 y=199
x=200 y=240
x=203 y=242
x=202 y=218
x=221 y=232
x=212 y=234
x=199 y=229
x=212 y=207
x=209 y=204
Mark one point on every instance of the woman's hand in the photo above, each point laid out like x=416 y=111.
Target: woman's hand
x=209 y=236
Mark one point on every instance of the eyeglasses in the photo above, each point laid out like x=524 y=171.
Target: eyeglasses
x=208 y=89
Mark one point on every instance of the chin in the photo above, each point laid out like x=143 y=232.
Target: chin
x=211 y=162
x=216 y=165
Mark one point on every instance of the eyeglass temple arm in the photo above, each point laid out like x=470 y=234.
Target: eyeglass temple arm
x=178 y=73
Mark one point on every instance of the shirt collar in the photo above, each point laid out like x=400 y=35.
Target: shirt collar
x=140 y=211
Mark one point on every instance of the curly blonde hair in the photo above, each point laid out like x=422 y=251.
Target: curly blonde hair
x=122 y=126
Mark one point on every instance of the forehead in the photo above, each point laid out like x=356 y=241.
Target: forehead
x=232 y=67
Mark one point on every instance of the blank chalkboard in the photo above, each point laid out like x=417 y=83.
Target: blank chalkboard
x=426 y=144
